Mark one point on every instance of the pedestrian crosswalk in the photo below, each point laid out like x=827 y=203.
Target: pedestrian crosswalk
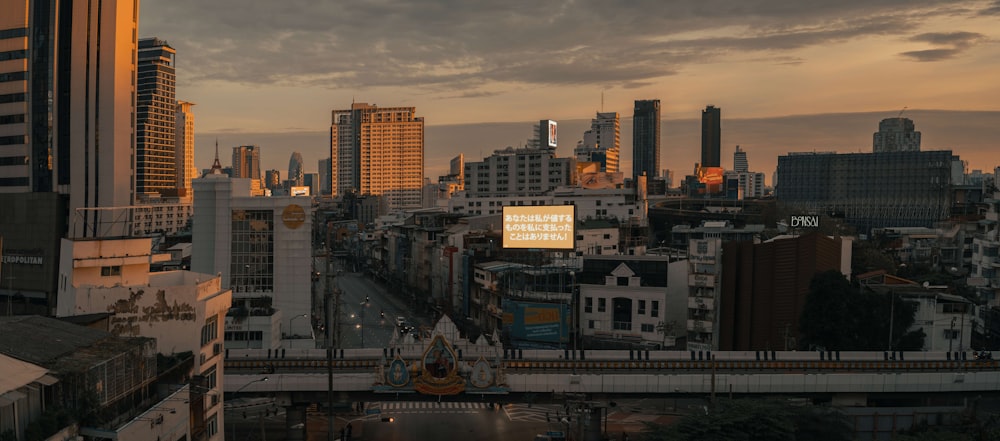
x=534 y=414
x=398 y=407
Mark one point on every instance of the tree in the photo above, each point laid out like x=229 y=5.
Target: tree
x=837 y=316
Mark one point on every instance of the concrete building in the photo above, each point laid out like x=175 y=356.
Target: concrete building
x=602 y=143
x=261 y=247
x=646 y=138
x=378 y=151
x=764 y=288
x=514 y=172
x=711 y=137
x=985 y=264
x=184 y=147
x=896 y=135
x=183 y=311
x=704 y=266
x=740 y=163
x=69 y=106
x=913 y=186
x=325 y=172
x=156 y=119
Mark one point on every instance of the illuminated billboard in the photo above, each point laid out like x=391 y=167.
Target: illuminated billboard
x=710 y=175
x=552 y=134
x=539 y=322
x=542 y=226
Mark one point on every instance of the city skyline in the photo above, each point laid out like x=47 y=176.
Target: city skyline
x=466 y=64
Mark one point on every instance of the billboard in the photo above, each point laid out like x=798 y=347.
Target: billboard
x=541 y=226
x=710 y=175
x=553 y=132
x=539 y=322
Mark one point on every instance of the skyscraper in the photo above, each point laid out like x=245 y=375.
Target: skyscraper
x=184 y=146
x=246 y=162
x=378 y=151
x=295 y=171
x=602 y=143
x=325 y=183
x=896 y=135
x=740 y=163
x=156 y=118
x=711 y=137
x=646 y=138
x=68 y=117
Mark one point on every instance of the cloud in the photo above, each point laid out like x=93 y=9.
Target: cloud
x=958 y=42
x=467 y=47
x=992 y=10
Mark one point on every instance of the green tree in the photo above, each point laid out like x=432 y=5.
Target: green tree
x=837 y=316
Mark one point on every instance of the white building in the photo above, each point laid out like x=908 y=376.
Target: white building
x=602 y=143
x=182 y=310
x=518 y=172
x=704 y=267
x=262 y=249
x=985 y=265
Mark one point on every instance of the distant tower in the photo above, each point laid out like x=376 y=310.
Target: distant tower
x=896 y=135
x=646 y=138
x=246 y=162
x=711 y=137
x=378 y=151
x=295 y=171
x=602 y=143
x=184 y=146
x=740 y=163
x=155 y=118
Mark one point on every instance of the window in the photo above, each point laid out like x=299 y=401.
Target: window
x=655 y=312
x=601 y=305
x=646 y=327
x=115 y=270
x=590 y=324
x=212 y=425
x=588 y=304
x=622 y=281
x=211 y=378
x=951 y=334
x=210 y=330
x=642 y=307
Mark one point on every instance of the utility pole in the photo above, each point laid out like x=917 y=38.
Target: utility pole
x=329 y=318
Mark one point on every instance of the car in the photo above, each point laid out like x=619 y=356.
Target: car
x=405 y=329
x=400 y=321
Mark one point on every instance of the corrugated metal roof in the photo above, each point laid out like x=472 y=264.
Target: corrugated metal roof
x=59 y=346
x=15 y=373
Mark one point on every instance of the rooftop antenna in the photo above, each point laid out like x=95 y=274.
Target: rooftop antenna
x=900 y=115
x=602 y=100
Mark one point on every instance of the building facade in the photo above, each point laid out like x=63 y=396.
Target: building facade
x=184 y=147
x=156 y=118
x=602 y=143
x=378 y=151
x=67 y=101
x=896 y=135
x=914 y=188
x=296 y=169
x=646 y=138
x=518 y=172
x=711 y=137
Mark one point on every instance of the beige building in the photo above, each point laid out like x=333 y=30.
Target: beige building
x=184 y=144
x=184 y=311
x=378 y=151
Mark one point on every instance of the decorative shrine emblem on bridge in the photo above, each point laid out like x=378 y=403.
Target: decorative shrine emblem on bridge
x=439 y=373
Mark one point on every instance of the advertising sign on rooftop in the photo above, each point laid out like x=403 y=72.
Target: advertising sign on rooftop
x=542 y=227
x=539 y=322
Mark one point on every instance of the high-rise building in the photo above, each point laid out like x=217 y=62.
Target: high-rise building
x=156 y=117
x=740 y=163
x=325 y=172
x=184 y=146
x=896 y=135
x=246 y=162
x=602 y=143
x=272 y=179
x=378 y=151
x=295 y=169
x=518 y=172
x=711 y=137
x=68 y=108
x=646 y=138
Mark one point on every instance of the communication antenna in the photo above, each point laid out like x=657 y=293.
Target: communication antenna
x=900 y=115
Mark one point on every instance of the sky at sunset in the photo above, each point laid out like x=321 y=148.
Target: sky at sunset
x=269 y=73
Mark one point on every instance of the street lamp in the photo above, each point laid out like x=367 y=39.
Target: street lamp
x=259 y=380
x=361 y=326
x=951 y=334
x=292 y=320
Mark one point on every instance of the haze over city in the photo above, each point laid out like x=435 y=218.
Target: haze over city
x=788 y=75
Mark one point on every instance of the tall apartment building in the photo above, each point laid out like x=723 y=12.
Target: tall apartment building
x=518 y=172
x=602 y=143
x=896 y=135
x=184 y=146
x=914 y=188
x=741 y=183
x=67 y=108
x=378 y=151
x=296 y=169
x=711 y=137
x=646 y=138
x=740 y=163
x=156 y=118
